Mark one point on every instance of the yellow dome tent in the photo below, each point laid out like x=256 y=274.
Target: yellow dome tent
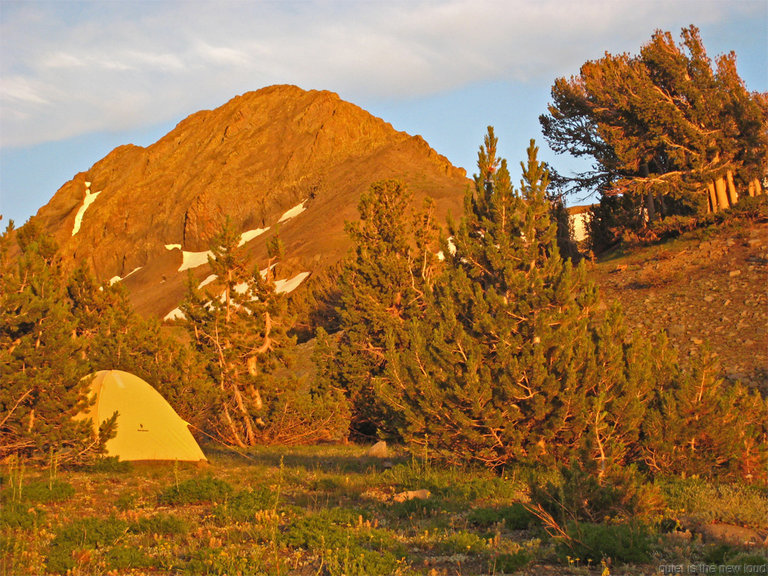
x=147 y=427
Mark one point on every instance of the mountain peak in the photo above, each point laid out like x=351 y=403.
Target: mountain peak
x=252 y=159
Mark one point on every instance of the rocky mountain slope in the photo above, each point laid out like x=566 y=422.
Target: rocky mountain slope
x=279 y=159
x=707 y=289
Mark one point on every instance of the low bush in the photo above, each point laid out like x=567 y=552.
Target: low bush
x=346 y=543
x=451 y=483
x=126 y=557
x=622 y=543
x=44 y=491
x=220 y=562
x=708 y=502
x=244 y=505
x=195 y=491
x=581 y=495
x=126 y=501
x=751 y=563
x=462 y=543
x=20 y=515
x=509 y=563
x=418 y=508
x=160 y=524
x=83 y=534
x=109 y=465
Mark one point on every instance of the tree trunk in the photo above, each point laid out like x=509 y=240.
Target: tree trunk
x=244 y=415
x=732 y=194
x=758 y=187
x=662 y=204
x=233 y=429
x=712 y=204
x=650 y=207
x=722 y=194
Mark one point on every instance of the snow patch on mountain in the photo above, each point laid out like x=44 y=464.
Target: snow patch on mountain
x=116 y=279
x=249 y=235
x=287 y=286
x=89 y=199
x=293 y=212
x=175 y=314
x=191 y=260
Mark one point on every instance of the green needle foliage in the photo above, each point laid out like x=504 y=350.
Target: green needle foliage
x=40 y=369
x=511 y=359
x=241 y=337
x=382 y=284
x=114 y=337
x=493 y=371
x=667 y=130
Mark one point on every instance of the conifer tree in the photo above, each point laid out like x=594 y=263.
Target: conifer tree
x=40 y=365
x=241 y=334
x=382 y=285
x=698 y=424
x=666 y=127
x=492 y=371
x=619 y=381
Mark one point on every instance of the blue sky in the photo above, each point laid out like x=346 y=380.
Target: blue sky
x=78 y=79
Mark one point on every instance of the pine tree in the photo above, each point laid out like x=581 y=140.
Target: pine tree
x=619 y=382
x=382 y=285
x=664 y=126
x=41 y=370
x=242 y=336
x=492 y=371
x=699 y=425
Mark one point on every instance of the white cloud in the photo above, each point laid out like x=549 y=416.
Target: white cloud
x=21 y=90
x=222 y=55
x=70 y=68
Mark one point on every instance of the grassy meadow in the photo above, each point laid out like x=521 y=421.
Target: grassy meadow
x=333 y=510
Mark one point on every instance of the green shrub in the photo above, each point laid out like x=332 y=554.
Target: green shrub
x=673 y=226
x=514 y=517
x=196 y=490
x=352 y=560
x=160 y=524
x=720 y=554
x=623 y=543
x=219 y=562
x=126 y=501
x=700 y=425
x=20 y=515
x=581 y=495
x=510 y=563
x=751 y=563
x=125 y=557
x=44 y=491
x=462 y=543
x=751 y=208
x=109 y=465
x=87 y=533
x=711 y=502
x=244 y=505
x=345 y=543
x=418 y=508
x=324 y=528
